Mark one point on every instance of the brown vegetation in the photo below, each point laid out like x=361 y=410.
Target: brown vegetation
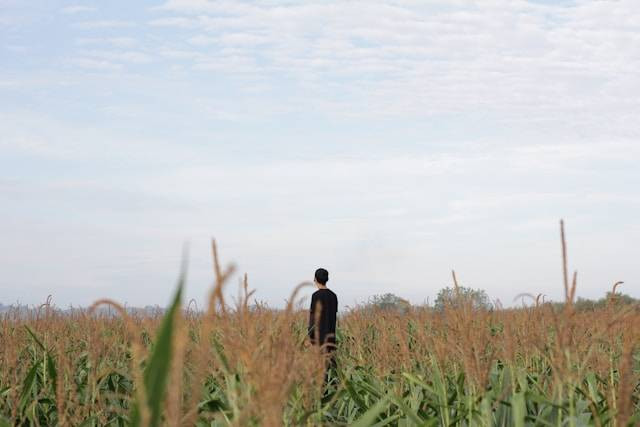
x=248 y=365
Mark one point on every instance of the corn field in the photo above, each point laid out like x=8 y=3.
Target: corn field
x=245 y=365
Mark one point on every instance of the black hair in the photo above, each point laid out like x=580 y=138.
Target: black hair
x=322 y=276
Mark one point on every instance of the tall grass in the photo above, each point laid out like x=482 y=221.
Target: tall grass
x=250 y=365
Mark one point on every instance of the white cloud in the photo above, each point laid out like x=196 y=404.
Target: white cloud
x=180 y=54
x=203 y=40
x=113 y=41
x=301 y=132
x=122 y=56
x=8 y=83
x=70 y=10
x=98 y=24
x=17 y=48
x=178 y=22
x=562 y=65
x=95 y=64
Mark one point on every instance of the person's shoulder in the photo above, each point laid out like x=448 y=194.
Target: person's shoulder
x=320 y=293
x=325 y=293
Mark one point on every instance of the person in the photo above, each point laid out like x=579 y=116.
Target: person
x=322 y=319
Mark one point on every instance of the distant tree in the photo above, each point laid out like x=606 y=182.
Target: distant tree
x=617 y=299
x=450 y=297
x=585 y=304
x=610 y=299
x=389 y=302
x=621 y=299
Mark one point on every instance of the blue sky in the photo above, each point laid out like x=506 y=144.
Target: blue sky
x=388 y=141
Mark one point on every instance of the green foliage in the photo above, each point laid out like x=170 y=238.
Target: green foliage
x=156 y=373
x=428 y=395
x=389 y=302
x=427 y=392
x=477 y=299
x=617 y=300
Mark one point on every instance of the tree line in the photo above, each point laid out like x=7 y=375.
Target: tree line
x=478 y=299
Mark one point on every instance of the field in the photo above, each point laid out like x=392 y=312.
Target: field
x=547 y=365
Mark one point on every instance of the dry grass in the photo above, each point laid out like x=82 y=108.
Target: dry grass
x=249 y=365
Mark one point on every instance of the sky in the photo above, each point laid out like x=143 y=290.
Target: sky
x=387 y=141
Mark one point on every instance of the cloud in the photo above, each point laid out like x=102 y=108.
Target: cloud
x=71 y=10
x=95 y=64
x=17 y=48
x=562 y=65
x=118 y=56
x=203 y=40
x=179 y=54
x=113 y=41
x=9 y=84
x=178 y=22
x=398 y=137
x=99 y=24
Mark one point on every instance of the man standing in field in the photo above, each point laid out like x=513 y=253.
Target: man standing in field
x=322 y=317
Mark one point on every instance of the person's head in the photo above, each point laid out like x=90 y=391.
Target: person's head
x=321 y=277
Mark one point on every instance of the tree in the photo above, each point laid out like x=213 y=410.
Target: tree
x=389 y=302
x=615 y=299
x=452 y=297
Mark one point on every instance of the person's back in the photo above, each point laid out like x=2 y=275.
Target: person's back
x=322 y=314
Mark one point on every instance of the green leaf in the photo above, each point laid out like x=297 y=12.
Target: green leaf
x=519 y=409
x=27 y=386
x=158 y=368
x=369 y=417
x=89 y=422
x=5 y=391
x=211 y=405
x=354 y=394
x=52 y=372
x=386 y=421
x=406 y=410
x=35 y=338
x=412 y=378
x=51 y=367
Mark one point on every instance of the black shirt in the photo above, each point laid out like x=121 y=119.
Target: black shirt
x=324 y=306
